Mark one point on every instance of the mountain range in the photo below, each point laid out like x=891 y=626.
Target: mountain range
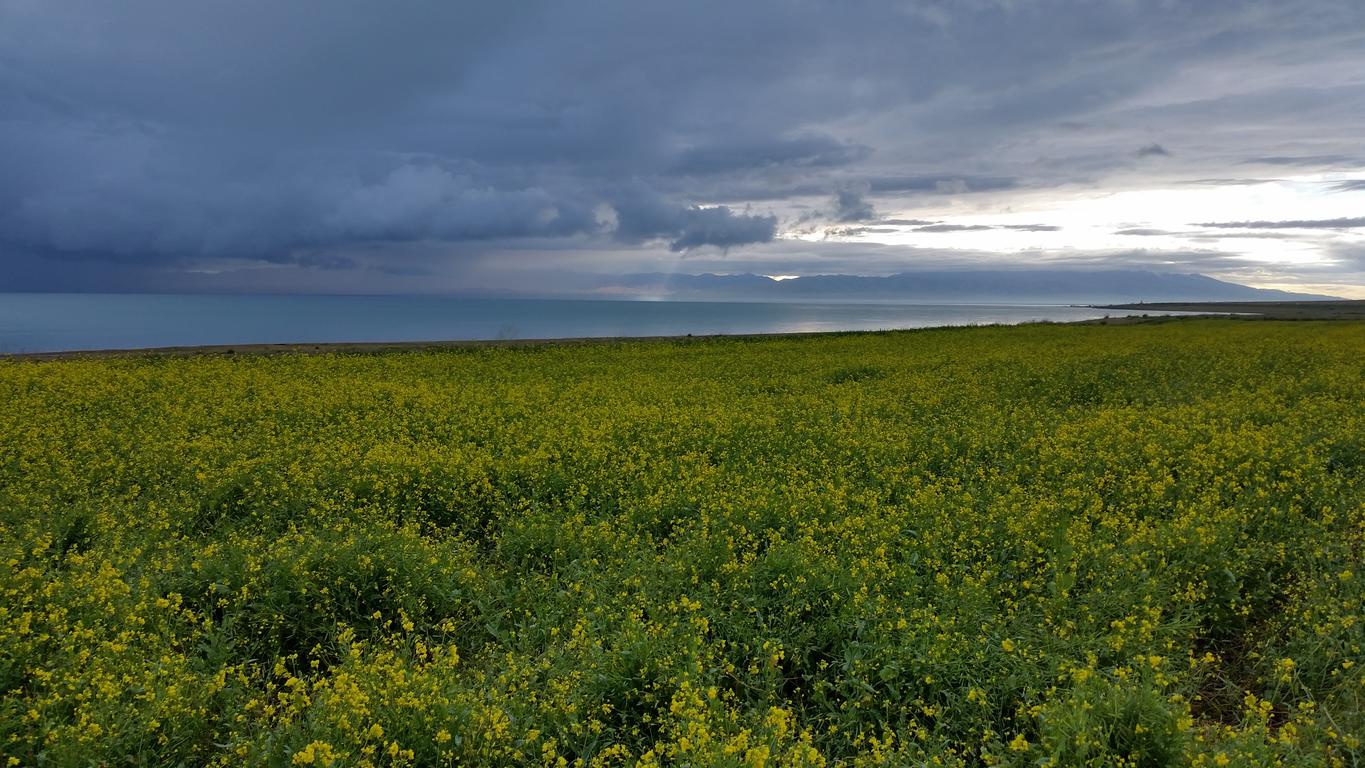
x=961 y=286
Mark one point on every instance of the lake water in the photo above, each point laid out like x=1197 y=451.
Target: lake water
x=48 y=322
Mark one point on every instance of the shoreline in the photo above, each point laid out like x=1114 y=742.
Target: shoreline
x=376 y=347
x=1344 y=309
x=1195 y=311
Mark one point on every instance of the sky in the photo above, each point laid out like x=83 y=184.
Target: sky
x=448 y=147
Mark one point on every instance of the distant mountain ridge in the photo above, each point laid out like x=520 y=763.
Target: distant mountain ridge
x=961 y=286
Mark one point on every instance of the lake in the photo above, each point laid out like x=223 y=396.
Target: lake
x=51 y=322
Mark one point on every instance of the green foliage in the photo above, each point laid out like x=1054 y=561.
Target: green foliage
x=1108 y=719
x=1131 y=545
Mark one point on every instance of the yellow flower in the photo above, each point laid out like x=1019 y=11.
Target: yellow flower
x=1286 y=669
x=318 y=753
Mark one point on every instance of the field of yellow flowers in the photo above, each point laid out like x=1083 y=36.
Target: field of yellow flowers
x=1128 y=545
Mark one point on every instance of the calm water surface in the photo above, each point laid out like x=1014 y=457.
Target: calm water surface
x=47 y=322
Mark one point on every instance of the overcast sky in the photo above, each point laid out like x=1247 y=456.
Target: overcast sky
x=454 y=146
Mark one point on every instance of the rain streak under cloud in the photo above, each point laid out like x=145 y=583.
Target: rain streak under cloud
x=454 y=146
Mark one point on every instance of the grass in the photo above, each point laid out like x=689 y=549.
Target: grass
x=1072 y=545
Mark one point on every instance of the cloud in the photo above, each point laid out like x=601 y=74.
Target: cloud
x=414 y=202
x=1344 y=223
x=1350 y=256
x=894 y=226
x=851 y=204
x=1349 y=185
x=159 y=137
x=1032 y=227
x=806 y=257
x=722 y=228
x=854 y=231
x=1204 y=236
x=953 y=227
x=642 y=218
x=940 y=184
x=1143 y=232
x=324 y=260
x=922 y=225
x=1303 y=160
x=1224 y=182
x=166 y=221
x=934 y=227
x=1224 y=235
x=802 y=152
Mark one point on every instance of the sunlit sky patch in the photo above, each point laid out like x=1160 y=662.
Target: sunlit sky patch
x=1174 y=218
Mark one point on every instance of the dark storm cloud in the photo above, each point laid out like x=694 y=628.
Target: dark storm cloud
x=851 y=204
x=722 y=228
x=1153 y=150
x=791 y=153
x=411 y=202
x=778 y=185
x=420 y=201
x=642 y=218
x=1350 y=223
x=153 y=135
x=323 y=260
